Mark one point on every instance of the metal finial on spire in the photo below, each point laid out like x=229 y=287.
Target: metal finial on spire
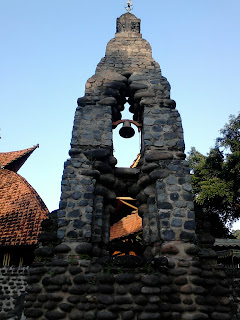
x=129 y=6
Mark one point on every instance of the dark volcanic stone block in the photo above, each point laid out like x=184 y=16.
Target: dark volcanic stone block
x=122 y=290
x=125 y=278
x=81 y=289
x=62 y=248
x=106 y=299
x=108 y=101
x=187 y=236
x=106 y=288
x=151 y=308
x=76 y=315
x=33 y=313
x=114 y=308
x=150 y=280
x=50 y=305
x=90 y=315
x=84 y=248
x=221 y=316
x=84 y=101
x=161 y=261
x=103 y=191
x=33 y=289
x=176 y=222
x=97 y=154
x=174 y=299
x=53 y=288
x=42 y=298
x=141 y=300
x=75 y=270
x=104 y=168
x=126 y=172
x=105 y=315
x=192 y=249
x=33 y=279
x=123 y=300
x=135 y=85
x=111 y=92
x=107 y=180
x=159 y=174
x=220 y=291
x=190 y=225
x=149 y=316
x=149 y=167
x=135 y=288
x=80 y=279
x=158 y=155
x=105 y=278
x=115 y=85
x=60 y=263
x=54 y=315
x=168 y=235
x=54 y=297
x=164 y=205
x=150 y=290
x=73 y=299
x=44 y=252
x=127 y=315
x=134 y=190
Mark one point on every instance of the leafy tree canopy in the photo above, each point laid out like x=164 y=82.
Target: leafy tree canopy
x=236 y=233
x=216 y=178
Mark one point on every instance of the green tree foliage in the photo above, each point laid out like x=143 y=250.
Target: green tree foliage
x=216 y=179
x=236 y=233
x=230 y=134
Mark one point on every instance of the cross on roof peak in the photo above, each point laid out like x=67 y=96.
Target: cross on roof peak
x=129 y=6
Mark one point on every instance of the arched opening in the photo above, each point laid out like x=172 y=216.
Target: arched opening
x=126 y=224
x=126 y=150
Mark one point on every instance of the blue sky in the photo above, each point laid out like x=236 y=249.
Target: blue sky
x=49 y=49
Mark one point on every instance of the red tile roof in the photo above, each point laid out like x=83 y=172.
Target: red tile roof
x=21 y=210
x=128 y=225
x=15 y=159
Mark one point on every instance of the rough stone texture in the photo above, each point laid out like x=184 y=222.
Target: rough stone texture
x=89 y=182
x=13 y=282
x=171 y=280
x=147 y=293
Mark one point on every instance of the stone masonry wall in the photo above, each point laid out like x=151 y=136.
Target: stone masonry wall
x=13 y=282
x=81 y=286
x=171 y=278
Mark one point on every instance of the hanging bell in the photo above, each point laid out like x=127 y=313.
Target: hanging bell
x=126 y=131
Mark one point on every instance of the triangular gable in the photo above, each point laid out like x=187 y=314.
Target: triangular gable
x=15 y=159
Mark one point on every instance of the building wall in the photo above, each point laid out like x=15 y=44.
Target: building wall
x=13 y=282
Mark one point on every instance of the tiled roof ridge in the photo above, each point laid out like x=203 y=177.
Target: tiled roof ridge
x=19 y=154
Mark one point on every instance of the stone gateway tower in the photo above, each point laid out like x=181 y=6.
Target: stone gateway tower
x=113 y=262
x=161 y=181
